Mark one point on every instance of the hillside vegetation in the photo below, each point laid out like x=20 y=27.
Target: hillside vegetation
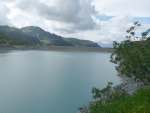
x=13 y=36
x=36 y=36
x=132 y=58
x=138 y=103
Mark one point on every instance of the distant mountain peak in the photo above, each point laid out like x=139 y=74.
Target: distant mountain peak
x=32 y=28
x=106 y=45
x=37 y=35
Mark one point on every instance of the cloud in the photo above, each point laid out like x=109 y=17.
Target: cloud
x=4 y=10
x=111 y=30
x=139 y=8
x=115 y=28
x=76 y=14
x=97 y=20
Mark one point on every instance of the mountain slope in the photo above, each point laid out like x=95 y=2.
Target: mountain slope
x=16 y=36
x=106 y=45
x=53 y=39
x=32 y=36
x=81 y=43
x=44 y=36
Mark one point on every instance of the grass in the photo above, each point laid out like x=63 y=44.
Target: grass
x=138 y=103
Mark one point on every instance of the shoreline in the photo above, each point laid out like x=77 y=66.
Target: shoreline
x=58 y=48
x=129 y=85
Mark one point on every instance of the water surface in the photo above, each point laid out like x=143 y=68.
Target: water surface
x=51 y=81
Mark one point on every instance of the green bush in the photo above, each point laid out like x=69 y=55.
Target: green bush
x=133 y=57
x=138 y=103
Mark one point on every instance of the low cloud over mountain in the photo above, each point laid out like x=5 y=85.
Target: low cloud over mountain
x=97 y=20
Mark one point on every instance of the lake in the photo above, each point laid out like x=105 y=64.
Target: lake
x=51 y=81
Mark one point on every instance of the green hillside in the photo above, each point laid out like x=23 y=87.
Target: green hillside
x=138 y=103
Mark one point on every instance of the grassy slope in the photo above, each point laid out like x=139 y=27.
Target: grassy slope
x=138 y=103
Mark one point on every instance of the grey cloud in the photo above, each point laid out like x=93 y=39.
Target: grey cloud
x=4 y=11
x=77 y=13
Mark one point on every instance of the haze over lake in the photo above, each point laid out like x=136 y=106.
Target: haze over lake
x=51 y=81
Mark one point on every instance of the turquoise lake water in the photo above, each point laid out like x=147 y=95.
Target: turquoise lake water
x=51 y=81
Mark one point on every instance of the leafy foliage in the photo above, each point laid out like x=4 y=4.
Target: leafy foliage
x=138 y=103
x=12 y=36
x=107 y=94
x=133 y=55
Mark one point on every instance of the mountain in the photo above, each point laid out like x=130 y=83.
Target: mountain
x=81 y=43
x=106 y=45
x=44 y=36
x=32 y=36
x=16 y=36
x=53 y=39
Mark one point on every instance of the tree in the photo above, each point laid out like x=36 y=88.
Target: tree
x=133 y=56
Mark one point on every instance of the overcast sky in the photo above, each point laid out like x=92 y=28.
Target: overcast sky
x=97 y=20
